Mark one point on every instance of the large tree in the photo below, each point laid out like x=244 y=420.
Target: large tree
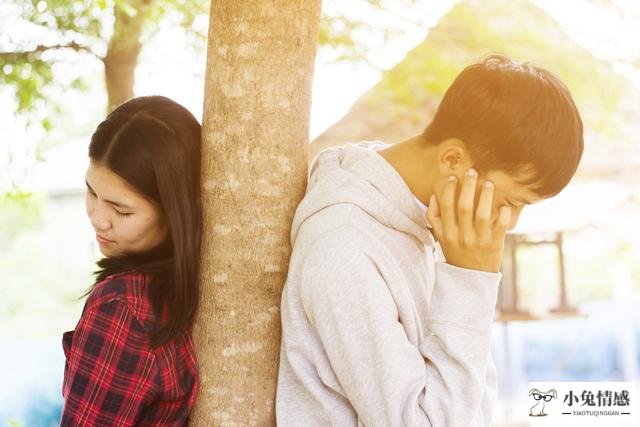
x=114 y=32
x=260 y=62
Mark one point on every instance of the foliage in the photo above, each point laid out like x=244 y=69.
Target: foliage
x=19 y=211
x=65 y=30
x=83 y=28
x=337 y=33
x=471 y=30
x=28 y=65
x=348 y=38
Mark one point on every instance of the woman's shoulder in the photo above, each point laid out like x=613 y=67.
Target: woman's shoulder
x=130 y=288
x=126 y=285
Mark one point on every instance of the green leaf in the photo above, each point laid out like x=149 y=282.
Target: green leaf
x=125 y=7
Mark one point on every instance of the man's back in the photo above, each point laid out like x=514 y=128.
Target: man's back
x=376 y=332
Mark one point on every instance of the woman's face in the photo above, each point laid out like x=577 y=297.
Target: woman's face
x=124 y=221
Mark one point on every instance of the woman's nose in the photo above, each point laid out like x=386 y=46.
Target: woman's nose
x=99 y=219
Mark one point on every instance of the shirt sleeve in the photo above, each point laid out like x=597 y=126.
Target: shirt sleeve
x=389 y=380
x=110 y=369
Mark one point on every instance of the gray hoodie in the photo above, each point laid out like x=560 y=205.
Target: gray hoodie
x=376 y=331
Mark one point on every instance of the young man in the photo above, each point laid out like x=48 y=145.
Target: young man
x=381 y=325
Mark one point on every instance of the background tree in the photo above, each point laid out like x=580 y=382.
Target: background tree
x=405 y=99
x=115 y=31
x=256 y=126
x=111 y=31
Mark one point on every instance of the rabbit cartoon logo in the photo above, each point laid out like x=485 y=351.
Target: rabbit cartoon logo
x=541 y=397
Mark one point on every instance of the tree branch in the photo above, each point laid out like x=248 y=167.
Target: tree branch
x=8 y=57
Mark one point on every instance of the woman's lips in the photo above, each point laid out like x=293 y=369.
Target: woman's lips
x=102 y=240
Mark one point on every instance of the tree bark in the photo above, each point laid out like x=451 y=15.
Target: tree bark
x=254 y=167
x=123 y=51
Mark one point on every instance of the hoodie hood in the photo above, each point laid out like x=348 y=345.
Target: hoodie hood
x=355 y=174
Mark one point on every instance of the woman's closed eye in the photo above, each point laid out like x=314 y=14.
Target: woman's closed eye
x=119 y=213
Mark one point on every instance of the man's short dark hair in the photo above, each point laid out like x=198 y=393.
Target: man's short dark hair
x=514 y=118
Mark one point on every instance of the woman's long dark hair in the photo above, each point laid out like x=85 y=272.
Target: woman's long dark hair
x=153 y=143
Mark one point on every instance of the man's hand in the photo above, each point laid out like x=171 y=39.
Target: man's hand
x=469 y=241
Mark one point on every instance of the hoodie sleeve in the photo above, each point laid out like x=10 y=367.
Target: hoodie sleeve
x=389 y=380
x=458 y=343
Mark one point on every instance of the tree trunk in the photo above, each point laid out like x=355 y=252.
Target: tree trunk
x=123 y=50
x=119 y=69
x=254 y=169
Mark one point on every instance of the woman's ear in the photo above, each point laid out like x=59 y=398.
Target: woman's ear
x=453 y=157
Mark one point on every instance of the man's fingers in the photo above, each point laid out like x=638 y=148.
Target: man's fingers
x=465 y=207
x=433 y=217
x=434 y=208
x=483 y=214
x=504 y=219
x=448 y=210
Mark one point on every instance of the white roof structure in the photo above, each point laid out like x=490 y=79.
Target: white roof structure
x=580 y=205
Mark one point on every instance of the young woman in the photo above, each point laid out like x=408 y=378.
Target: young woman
x=131 y=359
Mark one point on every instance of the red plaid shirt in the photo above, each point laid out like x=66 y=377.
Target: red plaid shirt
x=112 y=376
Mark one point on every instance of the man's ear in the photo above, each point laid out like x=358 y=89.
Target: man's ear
x=453 y=157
